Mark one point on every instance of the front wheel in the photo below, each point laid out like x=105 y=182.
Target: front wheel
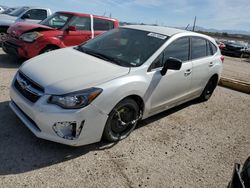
x=122 y=120
x=3 y=35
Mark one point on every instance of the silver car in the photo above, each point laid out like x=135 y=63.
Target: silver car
x=21 y=14
x=102 y=88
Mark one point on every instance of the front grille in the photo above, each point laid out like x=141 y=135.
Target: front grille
x=10 y=48
x=28 y=88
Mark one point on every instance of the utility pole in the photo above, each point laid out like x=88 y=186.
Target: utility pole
x=194 y=23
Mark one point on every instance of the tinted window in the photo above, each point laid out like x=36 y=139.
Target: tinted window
x=103 y=25
x=213 y=48
x=126 y=47
x=199 y=48
x=158 y=62
x=81 y=23
x=209 y=49
x=37 y=14
x=178 y=49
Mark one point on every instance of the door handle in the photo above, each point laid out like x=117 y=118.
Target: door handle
x=211 y=64
x=187 y=72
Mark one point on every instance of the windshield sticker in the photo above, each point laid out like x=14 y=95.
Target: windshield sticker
x=156 y=35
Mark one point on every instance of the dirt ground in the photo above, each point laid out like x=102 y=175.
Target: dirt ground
x=193 y=145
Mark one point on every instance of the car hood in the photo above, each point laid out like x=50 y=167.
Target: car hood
x=6 y=20
x=68 y=70
x=21 y=27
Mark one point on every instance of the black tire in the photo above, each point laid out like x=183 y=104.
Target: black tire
x=3 y=35
x=209 y=89
x=114 y=129
x=48 y=49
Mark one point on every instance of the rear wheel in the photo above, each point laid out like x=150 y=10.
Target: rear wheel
x=209 y=89
x=122 y=120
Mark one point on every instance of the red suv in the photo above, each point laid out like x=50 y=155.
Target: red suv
x=60 y=30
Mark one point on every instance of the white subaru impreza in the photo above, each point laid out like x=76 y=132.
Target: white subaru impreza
x=100 y=89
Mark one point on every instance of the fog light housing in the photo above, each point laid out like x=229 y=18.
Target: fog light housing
x=68 y=129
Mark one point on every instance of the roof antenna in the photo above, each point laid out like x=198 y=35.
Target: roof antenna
x=194 y=23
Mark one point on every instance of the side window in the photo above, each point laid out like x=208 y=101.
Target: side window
x=37 y=14
x=213 y=48
x=178 y=49
x=209 y=49
x=158 y=62
x=199 y=47
x=102 y=25
x=81 y=23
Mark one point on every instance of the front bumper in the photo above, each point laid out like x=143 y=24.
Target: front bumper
x=22 y=49
x=40 y=117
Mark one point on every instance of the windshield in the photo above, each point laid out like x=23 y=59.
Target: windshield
x=125 y=47
x=57 y=20
x=18 y=11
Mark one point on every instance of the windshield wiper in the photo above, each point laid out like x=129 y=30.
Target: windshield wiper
x=100 y=55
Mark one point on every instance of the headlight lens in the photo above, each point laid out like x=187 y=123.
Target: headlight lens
x=75 y=100
x=30 y=37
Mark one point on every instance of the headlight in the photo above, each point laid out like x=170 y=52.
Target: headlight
x=30 y=37
x=75 y=100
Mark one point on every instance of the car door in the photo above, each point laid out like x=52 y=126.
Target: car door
x=34 y=15
x=202 y=61
x=82 y=31
x=166 y=91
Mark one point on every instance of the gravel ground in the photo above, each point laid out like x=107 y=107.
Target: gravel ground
x=236 y=68
x=193 y=145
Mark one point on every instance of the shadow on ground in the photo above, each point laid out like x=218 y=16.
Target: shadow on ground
x=7 y=61
x=21 y=151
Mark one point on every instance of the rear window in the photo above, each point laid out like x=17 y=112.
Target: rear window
x=103 y=25
x=199 y=48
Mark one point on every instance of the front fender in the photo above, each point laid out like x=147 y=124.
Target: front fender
x=53 y=41
x=116 y=90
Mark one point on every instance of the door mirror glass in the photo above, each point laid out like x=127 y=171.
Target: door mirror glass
x=71 y=28
x=172 y=64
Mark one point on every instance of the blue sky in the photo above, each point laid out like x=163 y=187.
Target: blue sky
x=218 y=14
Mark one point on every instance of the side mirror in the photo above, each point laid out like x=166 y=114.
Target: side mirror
x=172 y=64
x=25 y=16
x=71 y=28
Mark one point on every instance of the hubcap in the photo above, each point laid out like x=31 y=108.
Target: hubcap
x=3 y=37
x=210 y=88
x=123 y=120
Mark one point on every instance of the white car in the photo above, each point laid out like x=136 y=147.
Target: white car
x=100 y=89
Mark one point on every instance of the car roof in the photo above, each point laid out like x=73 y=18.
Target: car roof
x=168 y=31
x=84 y=14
